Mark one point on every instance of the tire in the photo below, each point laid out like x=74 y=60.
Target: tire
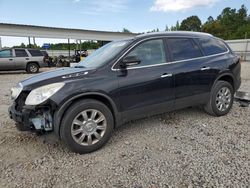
x=32 y=68
x=220 y=104
x=81 y=137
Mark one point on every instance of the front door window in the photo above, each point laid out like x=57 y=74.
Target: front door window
x=5 y=54
x=150 y=52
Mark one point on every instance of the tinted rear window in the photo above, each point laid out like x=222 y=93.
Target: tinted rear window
x=21 y=53
x=183 y=48
x=212 y=46
x=35 y=52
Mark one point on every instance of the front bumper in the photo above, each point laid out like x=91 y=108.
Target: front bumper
x=21 y=118
x=39 y=119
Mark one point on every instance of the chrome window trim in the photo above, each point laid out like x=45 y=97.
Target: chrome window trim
x=171 y=62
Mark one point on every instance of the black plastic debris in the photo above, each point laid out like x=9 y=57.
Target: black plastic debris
x=243 y=98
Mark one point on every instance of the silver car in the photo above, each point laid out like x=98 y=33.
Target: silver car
x=21 y=59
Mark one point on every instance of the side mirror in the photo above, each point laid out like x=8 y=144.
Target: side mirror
x=129 y=61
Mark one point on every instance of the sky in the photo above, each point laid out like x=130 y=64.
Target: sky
x=107 y=15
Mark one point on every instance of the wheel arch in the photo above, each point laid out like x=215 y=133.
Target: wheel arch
x=228 y=77
x=33 y=62
x=58 y=115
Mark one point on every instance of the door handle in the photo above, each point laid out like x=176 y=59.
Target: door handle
x=166 y=75
x=10 y=59
x=205 y=68
x=27 y=58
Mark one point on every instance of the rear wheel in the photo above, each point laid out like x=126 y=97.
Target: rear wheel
x=87 y=126
x=32 y=68
x=221 y=99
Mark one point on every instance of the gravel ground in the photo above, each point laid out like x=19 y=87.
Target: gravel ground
x=185 y=148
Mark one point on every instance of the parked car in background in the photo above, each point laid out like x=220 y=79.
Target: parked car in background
x=126 y=80
x=21 y=59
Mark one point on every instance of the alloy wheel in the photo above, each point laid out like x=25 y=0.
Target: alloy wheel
x=223 y=99
x=33 y=68
x=88 y=127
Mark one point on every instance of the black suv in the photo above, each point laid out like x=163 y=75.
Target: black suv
x=126 y=80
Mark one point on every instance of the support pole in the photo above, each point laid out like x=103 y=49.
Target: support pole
x=77 y=45
x=29 y=42
x=69 y=46
x=0 y=43
x=34 y=41
x=80 y=45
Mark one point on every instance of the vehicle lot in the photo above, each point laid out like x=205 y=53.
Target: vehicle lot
x=181 y=148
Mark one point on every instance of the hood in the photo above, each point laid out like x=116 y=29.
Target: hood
x=57 y=75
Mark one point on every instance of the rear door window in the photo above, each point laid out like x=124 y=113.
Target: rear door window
x=5 y=53
x=35 y=52
x=212 y=46
x=21 y=53
x=183 y=49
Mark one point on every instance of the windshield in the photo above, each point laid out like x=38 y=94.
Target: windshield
x=104 y=54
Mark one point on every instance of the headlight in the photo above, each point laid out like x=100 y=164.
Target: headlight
x=41 y=94
x=15 y=91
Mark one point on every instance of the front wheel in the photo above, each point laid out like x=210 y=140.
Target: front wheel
x=221 y=99
x=86 y=126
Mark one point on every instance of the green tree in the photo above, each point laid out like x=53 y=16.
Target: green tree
x=22 y=45
x=84 y=46
x=232 y=20
x=192 y=23
x=173 y=28
x=228 y=19
x=166 y=28
x=177 y=26
x=214 y=28
x=242 y=32
x=230 y=24
x=124 y=30
x=210 y=19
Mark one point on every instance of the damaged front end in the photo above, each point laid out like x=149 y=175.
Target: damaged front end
x=43 y=120
x=33 y=109
x=34 y=118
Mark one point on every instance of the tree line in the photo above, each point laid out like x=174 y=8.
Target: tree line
x=65 y=46
x=230 y=24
